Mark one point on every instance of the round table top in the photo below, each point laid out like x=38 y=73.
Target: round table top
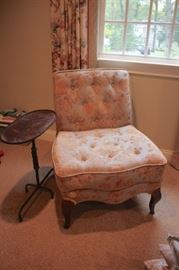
x=28 y=127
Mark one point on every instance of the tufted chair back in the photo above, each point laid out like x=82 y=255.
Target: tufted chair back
x=89 y=99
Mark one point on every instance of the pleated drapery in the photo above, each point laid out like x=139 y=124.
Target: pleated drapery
x=175 y=157
x=69 y=30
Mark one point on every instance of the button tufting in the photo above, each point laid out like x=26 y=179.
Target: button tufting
x=99 y=135
x=93 y=145
x=83 y=158
x=136 y=151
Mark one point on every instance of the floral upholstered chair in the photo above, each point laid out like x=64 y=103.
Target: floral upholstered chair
x=98 y=154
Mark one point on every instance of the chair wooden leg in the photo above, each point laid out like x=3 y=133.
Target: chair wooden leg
x=155 y=197
x=67 y=207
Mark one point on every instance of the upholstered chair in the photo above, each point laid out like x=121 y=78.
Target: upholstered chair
x=98 y=154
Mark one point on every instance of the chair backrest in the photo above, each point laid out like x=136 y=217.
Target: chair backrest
x=89 y=99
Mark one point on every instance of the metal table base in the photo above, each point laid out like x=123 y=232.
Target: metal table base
x=25 y=129
x=39 y=184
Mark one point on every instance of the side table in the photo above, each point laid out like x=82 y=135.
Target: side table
x=26 y=129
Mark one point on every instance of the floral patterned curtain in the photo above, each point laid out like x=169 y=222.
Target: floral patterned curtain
x=69 y=29
x=175 y=157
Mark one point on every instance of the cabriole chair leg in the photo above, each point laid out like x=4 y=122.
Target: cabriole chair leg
x=155 y=197
x=67 y=207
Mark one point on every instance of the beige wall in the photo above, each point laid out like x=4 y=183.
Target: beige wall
x=25 y=54
x=156 y=104
x=26 y=81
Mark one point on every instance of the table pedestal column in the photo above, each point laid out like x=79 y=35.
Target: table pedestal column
x=38 y=186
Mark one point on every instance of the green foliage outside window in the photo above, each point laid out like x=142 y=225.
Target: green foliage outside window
x=136 y=31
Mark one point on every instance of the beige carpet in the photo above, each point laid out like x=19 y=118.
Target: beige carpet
x=101 y=237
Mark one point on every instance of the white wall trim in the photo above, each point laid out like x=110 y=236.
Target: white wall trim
x=141 y=68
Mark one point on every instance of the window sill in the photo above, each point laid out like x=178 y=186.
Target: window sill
x=169 y=70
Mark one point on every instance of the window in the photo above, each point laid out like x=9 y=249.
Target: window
x=139 y=30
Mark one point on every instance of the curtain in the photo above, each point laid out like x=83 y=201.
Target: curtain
x=175 y=157
x=69 y=30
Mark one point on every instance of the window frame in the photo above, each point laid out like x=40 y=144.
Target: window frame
x=135 y=64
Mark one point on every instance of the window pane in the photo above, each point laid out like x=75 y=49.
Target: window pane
x=158 y=40
x=135 y=40
x=115 y=9
x=113 y=35
x=175 y=44
x=128 y=36
x=162 y=10
x=138 y=10
x=177 y=16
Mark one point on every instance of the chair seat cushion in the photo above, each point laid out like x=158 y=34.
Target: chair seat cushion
x=103 y=151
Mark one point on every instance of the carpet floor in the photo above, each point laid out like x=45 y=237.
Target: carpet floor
x=101 y=237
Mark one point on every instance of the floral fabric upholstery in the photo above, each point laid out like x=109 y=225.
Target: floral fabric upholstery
x=106 y=196
x=112 y=182
x=92 y=99
x=69 y=33
x=98 y=155
x=103 y=151
x=175 y=157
